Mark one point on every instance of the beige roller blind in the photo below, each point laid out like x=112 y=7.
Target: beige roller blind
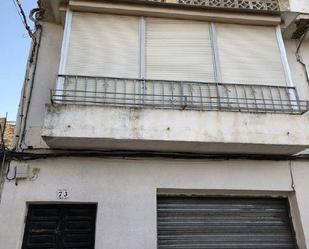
x=178 y=50
x=103 y=45
x=249 y=54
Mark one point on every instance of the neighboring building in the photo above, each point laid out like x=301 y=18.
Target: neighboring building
x=162 y=124
x=8 y=128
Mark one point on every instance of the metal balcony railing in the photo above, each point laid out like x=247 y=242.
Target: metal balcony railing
x=257 y=5
x=88 y=90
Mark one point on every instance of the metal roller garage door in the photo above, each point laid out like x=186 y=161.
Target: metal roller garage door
x=242 y=223
x=60 y=227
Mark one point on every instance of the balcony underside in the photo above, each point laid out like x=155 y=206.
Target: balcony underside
x=127 y=128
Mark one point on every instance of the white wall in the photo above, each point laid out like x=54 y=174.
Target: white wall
x=298 y=73
x=99 y=127
x=299 y=6
x=45 y=80
x=125 y=191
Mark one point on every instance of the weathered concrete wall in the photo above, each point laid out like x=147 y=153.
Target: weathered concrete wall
x=126 y=190
x=299 y=6
x=45 y=79
x=227 y=129
x=298 y=73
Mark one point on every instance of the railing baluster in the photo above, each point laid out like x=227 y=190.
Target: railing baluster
x=254 y=98
x=201 y=96
x=263 y=97
x=153 y=93
x=134 y=92
x=279 y=94
x=76 y=88
x=218 y=95
x=85 y=87
x=289 y=99
x=172 y=90
x=96 y=88
x=209 y=97
x=163 y=95
x=125 y=91
x=246 y=98
x=181 y=90
x=105 y=90
x=237 y=99
x=115 y=90
x=191 y=94
x=272 y=99
x=227 y=95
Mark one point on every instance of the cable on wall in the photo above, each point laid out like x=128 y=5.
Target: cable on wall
x=292 y=176
x=35 y=15
x=301 y=34
x=3 y=154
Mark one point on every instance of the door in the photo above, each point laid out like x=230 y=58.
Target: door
x=224 y=223
x=60 y=227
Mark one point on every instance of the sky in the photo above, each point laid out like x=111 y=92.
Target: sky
x=14 y=50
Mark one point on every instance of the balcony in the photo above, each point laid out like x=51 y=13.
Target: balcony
x=117 y=113
x=253 y=5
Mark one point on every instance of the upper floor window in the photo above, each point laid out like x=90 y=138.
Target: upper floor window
x=171 y=49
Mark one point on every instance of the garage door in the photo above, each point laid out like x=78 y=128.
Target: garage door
x=242 y=223
x=60 y=227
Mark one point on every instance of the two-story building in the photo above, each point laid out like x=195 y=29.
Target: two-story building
x=168 y=124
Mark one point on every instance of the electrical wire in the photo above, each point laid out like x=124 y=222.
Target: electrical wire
x=292 y=176
x=23 y=18
x=27 y=156
x=32 y=58
x=8 y=172
x=298 y=55
x=37 y=48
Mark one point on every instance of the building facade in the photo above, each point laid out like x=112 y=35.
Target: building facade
x=149 y=124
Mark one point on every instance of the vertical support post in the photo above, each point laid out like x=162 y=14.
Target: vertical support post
x=284 y=58
x=182 y=97
x=286 y=67
x=142 y=34
x=216 y=60
x=64 y=50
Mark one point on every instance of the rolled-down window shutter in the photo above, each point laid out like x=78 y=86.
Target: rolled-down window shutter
x=249 y=55
x=103 y=45
x=178 y=50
